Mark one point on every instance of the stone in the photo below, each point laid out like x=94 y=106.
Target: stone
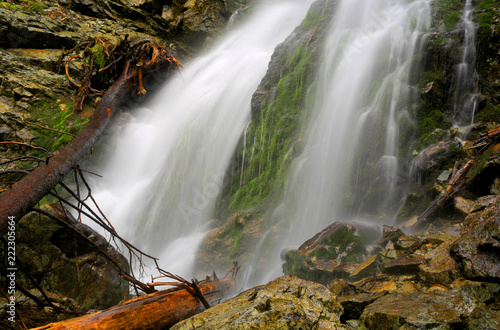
x=482 y=291
x=382 y=283
x=355 y=304
x=429 y=310
x=478 y=250
x=440 y=267
x=333 y=252
x=367 y=267
x=462 y=204
x=402 y=266
x=444 y=176
x=391 y=233
x=406 y=243
x=288 y=302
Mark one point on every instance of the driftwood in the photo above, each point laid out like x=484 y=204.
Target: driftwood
x=159 y=310
x=486 y=139
x=25 y=193
x=455 y=184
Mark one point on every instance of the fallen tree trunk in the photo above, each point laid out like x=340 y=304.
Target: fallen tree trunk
x=159 y=310
x=454 y=186
x=24 y=194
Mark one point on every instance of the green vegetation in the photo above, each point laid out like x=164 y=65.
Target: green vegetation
x=277 y=132
x=99 y=55
x=56 y=115
x=450 y=11
x=491 y=112
x=29 y=6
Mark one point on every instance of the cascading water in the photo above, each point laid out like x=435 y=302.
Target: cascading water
x=465 y=100
x=162 y=182
x=350 y=168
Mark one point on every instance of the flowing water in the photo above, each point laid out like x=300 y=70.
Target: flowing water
x=465 y=101
x=351 y=167
x=162 y=181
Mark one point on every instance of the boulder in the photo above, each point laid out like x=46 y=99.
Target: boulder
x=430 y=310
x=287 y=302
x=331 y=253
x=439 y=267
x=477 y=251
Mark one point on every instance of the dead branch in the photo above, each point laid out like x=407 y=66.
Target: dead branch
x=26 y=193
x=455 y=185
x=48 y=128
x=486 y=139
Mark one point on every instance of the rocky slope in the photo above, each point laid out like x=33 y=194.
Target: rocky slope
x=441 y=272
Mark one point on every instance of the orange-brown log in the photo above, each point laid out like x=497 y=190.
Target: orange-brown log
x=157 y=310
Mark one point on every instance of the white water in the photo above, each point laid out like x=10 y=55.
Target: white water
x=161 y=184
x=465 y=101
x=362 y=96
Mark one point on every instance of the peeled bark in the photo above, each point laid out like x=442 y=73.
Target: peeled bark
x=159 y=310
x=25 y=193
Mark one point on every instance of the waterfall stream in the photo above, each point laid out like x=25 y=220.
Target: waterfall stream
x=465 y=100
x=161 y=184
x=351 y=168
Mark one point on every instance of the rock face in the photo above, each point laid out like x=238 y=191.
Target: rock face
x=63 y=263
x=429 y=310
x=285 y=303
x=477 y=251
x=331 y=252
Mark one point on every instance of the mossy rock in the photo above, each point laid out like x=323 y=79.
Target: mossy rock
x=330 y=253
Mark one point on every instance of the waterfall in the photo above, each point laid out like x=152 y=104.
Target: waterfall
x=351 y=166
x=162 y=181
x=465 y=99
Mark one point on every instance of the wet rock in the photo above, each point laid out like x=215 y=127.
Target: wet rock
x=324 y=256
x=439 y=267
x=402 y=266
x=478 y=250
x=65 y=264
x=367 y=267
x=487 y=293
x=391 y=233
x=462 y=204
x=407 y=243
x=236 y=240
x=431 y=310
x=285 y=303
x=355 y=304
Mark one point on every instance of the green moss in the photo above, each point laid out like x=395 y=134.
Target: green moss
x=99 y=55
x=49 y=113
x=490 y=113
x=28 y=6
x=450 y=11
x=277 y=133
x=312 y=18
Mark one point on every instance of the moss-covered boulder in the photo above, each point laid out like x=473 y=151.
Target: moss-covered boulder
x=234 y=241
x=63 y=263
x=285 y=303
x=332 y=253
